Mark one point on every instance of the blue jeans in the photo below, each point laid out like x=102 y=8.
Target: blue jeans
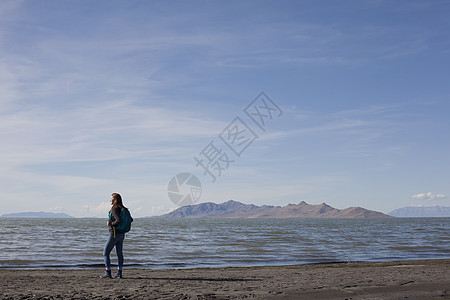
x=110 y=243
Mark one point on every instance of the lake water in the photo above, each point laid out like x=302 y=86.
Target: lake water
x=190 y=243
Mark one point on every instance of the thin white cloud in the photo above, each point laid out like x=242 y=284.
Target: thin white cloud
x=429 y=196
x=101 y=209
x=7 y=6
x=100 y=131
x=10 y=85
x=363 y=124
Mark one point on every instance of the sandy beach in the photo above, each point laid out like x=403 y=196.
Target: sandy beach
x=425 y=279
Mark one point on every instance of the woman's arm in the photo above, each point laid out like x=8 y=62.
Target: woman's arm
x=115 y=217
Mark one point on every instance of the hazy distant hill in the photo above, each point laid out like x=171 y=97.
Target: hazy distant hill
x=234 y=209
x=40 y=214
x=421 y=211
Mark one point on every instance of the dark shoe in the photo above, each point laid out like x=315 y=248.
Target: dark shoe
x=118 y=274
x=107 y=275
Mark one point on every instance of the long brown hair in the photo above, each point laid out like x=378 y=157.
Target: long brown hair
x=117 y=203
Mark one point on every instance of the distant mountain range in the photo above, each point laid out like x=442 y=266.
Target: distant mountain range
x=40 y=214
x=421 y=211
x=234 y=209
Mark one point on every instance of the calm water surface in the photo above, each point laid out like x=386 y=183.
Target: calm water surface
x=187 y=243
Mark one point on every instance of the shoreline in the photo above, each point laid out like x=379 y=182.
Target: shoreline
x=424 y=279
x=100 y=266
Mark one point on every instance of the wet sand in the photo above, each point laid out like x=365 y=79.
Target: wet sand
x=427 y=279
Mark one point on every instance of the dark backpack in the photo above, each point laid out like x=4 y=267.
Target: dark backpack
x=125 y=221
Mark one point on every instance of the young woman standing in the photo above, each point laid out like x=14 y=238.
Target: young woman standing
x=115 y=238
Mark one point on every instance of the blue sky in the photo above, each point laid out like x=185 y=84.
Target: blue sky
x=120 y=96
